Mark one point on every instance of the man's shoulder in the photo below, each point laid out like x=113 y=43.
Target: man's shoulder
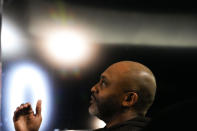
x=135 y=124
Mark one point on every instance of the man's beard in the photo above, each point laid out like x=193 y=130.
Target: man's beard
x=93 y=109
x=105 y=108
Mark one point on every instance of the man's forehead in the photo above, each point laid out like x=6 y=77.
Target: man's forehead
x=115 y=69
x=118 y=72
x=110 y=73
x=107 y=74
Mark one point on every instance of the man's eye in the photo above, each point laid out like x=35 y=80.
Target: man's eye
x=103 y=83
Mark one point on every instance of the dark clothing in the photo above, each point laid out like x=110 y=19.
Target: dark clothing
x=135 y=124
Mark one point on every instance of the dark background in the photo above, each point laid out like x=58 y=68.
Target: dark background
x=174 y=67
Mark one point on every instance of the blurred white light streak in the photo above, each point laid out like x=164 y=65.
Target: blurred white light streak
x=26 y=82
x=12 y=41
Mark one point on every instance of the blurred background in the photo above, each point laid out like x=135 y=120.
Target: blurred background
x=55 y=50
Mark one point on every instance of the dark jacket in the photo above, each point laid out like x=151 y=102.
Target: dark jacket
x=135 y=124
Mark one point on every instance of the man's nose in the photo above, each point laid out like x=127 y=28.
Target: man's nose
x=94 y=89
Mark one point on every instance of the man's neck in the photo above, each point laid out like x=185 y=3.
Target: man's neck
x=120 y=118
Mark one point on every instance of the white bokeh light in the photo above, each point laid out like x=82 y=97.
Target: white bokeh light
x=26 y=82
x=65 y=47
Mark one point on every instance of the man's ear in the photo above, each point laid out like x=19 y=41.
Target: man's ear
x=130 y=99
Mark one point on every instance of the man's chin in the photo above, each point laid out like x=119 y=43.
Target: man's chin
x=93 y=110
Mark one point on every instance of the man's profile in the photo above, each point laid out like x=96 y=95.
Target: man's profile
x=121 y=98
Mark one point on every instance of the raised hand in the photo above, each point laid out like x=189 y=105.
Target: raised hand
x=25 y=119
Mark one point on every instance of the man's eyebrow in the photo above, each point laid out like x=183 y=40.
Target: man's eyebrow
x=103 y=77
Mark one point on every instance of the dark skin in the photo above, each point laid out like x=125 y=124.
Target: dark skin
x=25 y=119
x=112 y=100
x=114 y=96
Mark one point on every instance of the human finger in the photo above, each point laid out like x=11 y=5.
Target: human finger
x=17 y=113
x=38 y=108
x=28 y=108
x=24 y=109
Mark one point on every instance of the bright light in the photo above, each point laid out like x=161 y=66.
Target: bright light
x=26 y=82
x=12 y=40
x=97 y=123
x=65 y=47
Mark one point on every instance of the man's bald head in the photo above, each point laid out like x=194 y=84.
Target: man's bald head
x=133 y=76
x=125 y=89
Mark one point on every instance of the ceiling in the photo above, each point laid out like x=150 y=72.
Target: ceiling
x=128 y=5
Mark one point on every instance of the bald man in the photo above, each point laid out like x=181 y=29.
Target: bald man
x=121 y=98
